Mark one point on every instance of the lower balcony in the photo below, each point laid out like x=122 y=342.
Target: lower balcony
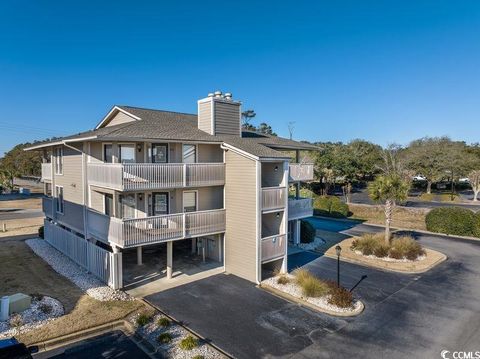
x=273 y=247
x=149 y=230
x=300 y=208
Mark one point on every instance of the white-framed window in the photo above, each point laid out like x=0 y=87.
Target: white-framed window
x=59 y=203
x=189 y=153
x=58 y=161
x=107 y=153
x=189 y=201
x=126 y=153
x=127 y=206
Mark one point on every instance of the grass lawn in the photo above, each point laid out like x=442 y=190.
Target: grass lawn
x=22 y=271
x=411 y=218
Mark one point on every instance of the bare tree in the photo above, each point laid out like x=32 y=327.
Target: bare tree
x=291 y=127
x=474 y=178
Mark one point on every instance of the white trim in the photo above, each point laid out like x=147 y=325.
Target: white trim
x=258 y=190
x=212 y=131
x=239 y=151
x=115 y=108
x=56 y=157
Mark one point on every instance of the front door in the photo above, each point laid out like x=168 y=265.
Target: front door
x=159 y=203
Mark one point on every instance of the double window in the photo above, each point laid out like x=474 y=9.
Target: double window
x=59 y=199
x=189 y=201
x=189 y=153
x=58 y=160
x=126 y=153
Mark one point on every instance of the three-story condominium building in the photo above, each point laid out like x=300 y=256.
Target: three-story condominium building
x=145 y=178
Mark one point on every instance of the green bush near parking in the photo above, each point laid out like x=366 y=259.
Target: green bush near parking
x=453 y=220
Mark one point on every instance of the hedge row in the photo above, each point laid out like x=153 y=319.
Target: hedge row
x=330 y=206
x=454 y=220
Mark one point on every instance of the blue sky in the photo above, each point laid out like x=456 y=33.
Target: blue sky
x=386 y=71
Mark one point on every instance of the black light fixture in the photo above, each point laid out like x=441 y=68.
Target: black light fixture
x=139 y=148
x=276 y=168
x=338 y=250
x=278 y=215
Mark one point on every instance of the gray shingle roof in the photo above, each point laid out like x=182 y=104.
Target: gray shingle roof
x=175 y=126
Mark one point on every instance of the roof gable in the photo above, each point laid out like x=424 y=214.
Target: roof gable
x=117 y=116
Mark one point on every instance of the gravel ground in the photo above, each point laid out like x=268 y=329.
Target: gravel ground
x=322 y=302
x=78 y=275
x=389 y=259
x=312 y=245
x=151 y=331
x=40 y=313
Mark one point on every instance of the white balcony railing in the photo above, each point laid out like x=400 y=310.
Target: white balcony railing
x=46 y=171
x=300 y=208
x=47 y=203
x=148 y=176
x=148 y=230
x=300 y=172
x=273 y=198
x=273 y=247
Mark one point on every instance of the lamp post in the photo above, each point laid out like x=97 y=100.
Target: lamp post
x=338 y=250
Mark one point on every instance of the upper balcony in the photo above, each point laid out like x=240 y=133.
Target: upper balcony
x=46 y=171
x=149 y=230
x=151 y=176
x=300 y=172
x=273 y=198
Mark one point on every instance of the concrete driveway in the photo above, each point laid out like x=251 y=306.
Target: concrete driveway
x=414 y=316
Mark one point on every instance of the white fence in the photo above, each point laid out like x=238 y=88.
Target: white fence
x=149 y=176
x=273 y=247
x=273 y=197
x=300 y=172
x=46 y=171
x=300 y=208
x=103 y=264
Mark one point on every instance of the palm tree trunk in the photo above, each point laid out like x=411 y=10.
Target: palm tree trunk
x=429 y=186
x=475 y=195
x=388 y=219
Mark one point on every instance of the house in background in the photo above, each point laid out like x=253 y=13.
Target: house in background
x=155 y=187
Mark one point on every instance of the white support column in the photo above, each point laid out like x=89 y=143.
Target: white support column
x=139 y=256
x=169 y=259
x=296 y=231
x=117 y=265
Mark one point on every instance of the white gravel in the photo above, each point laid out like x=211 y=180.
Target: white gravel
x=71 y=270
x=322 y=302
x=151 y=331
x=33 y=317
x=312 y=245
x=388 y=259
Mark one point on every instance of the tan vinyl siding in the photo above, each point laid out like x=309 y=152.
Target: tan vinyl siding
x=71 y=180
x=96 y=152
x=96 y=201
x=209 y=153
x=227 y=118
x=205 y=116
x=241 y=224
x=119 y=118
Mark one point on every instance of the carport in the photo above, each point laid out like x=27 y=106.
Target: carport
x=161 y=266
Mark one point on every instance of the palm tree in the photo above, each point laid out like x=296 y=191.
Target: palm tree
x=389 y=188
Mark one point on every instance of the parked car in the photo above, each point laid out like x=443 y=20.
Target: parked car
x=419 y=178
x=463 y=180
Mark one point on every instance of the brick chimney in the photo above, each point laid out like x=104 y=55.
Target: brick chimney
x=219 y=114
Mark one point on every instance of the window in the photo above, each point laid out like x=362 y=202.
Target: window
x=59 y=199
x=159 y=153
x=127 y=153
x=127 y=206
x=108 y=204
x=189 y=154
x=107 y=153
x=48 y=189
x=189 y=201
x=59 y=160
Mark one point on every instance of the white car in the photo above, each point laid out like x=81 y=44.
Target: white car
x=463 y=180
x=419 y=178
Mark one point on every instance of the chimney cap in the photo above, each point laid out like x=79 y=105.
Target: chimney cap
x=218 y=93
x=228 y=95
x=210 y=94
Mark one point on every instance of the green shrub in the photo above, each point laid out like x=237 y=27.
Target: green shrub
x=340 y=297
x=144 y=319
x=367 y=244
x=314 y=287
x=307 y=232
x=164 y=338
x=301 y=275
x=452 y=220
x=381 y=251
x=188 y=343
x=477 y=224
x=163 y=322
x=283 y=280
x=330 y=206
x=41 y=232
x=406 y=247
